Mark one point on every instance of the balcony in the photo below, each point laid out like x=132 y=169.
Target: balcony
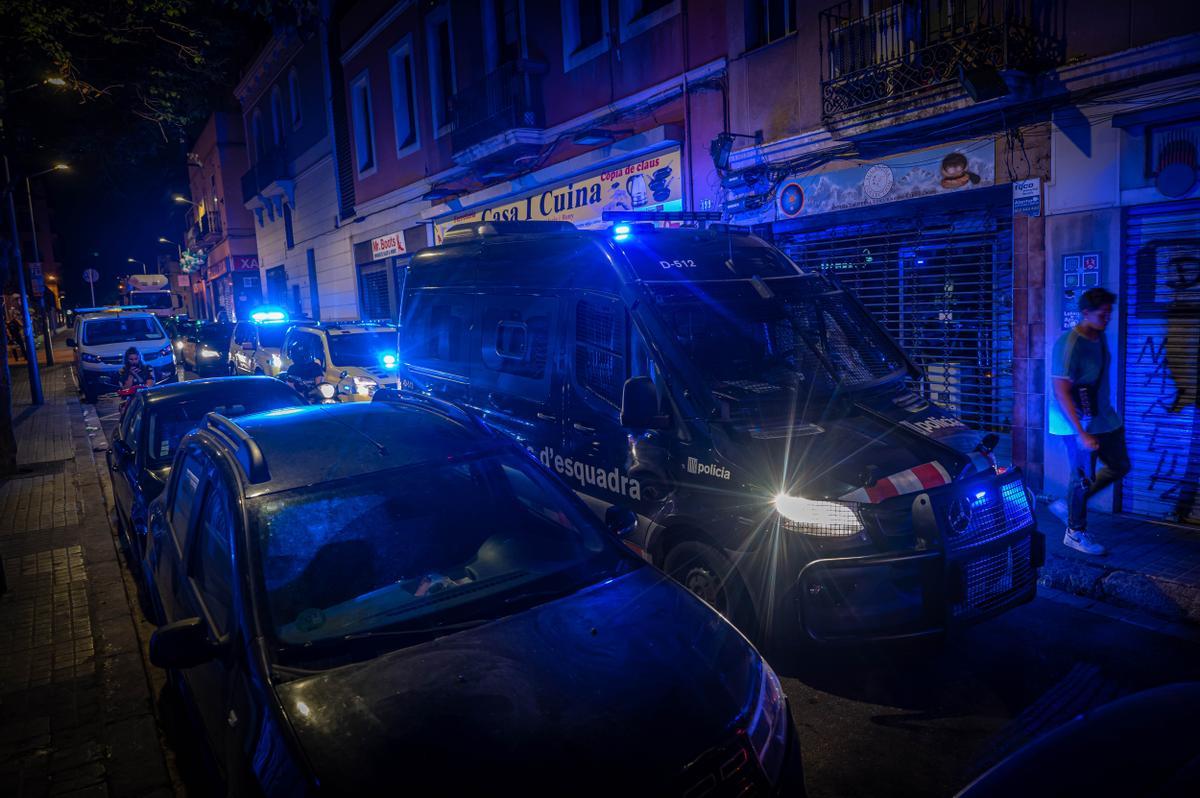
x=205 y=231
x=875 y=54
x=269 y=179
x=501 y=115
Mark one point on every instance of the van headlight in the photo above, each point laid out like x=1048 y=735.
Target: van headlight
x=824 y=519
x=767 y=728
x=365 y=386
x=206 y=352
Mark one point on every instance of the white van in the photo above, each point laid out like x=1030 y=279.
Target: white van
x=101 y=337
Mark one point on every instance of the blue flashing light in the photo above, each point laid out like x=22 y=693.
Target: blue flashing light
x=980 y=495
x=621 y=232
x=389 y=361
x=267 y=314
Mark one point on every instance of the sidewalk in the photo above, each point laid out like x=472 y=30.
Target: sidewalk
x=76 y=709
x=1150 y=568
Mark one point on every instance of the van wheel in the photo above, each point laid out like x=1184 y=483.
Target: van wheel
x=710 y=575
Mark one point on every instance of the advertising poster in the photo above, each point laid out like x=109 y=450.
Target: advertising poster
x=650 y=183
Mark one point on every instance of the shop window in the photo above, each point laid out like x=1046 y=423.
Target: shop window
x=364 y=124
x=600 y=347
x=404 y=94
x=585 y=31
x=639 y=16
x=768 y=21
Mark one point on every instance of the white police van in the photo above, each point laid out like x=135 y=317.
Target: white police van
x=102 y=335
x=755 y=416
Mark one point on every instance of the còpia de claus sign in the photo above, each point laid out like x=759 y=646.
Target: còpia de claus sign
x=651 y=183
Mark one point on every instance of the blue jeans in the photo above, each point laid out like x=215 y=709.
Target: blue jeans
x=1085 y=482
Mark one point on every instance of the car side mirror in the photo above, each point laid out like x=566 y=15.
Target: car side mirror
x=621 y=521
x=122 y=453
x=71 y=343
x=639 y=405
x=182 y=644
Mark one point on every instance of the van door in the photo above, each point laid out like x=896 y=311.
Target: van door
x=439 y=334
x=515 y=379
x=596 y=452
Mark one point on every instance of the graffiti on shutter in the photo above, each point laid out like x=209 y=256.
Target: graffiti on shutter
x=1160 y=309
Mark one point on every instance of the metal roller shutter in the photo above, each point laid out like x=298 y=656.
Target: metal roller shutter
x=375 y=295
x=1160 y=310
x=942 y=285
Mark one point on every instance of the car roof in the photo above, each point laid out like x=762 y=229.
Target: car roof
x=217 y=388
x=298 y=446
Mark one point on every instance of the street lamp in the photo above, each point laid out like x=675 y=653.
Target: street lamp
x=178 y=248
x=134 y=260
x=182 y=200
x=37 y=255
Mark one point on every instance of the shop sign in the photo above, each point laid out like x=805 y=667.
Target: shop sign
x=940 y=170
x=183 y=280
x=387 y=246
x=244 y=263
x=1027 y=197
x=652 y=183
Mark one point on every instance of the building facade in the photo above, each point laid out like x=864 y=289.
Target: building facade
x=220 y=234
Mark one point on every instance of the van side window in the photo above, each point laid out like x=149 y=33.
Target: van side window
x=518 y=338
x=600 y=347
x=437 y=330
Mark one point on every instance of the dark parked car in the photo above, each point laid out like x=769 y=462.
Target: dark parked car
x=143 y=446
x=360 y=596
x=205 y=349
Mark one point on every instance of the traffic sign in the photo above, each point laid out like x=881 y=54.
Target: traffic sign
x=91 y=275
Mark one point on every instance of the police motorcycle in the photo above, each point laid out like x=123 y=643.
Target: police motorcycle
x=314 y=392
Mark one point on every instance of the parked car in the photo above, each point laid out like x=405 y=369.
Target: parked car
x=755 y=416
x=361 y=594
x=143 y=446
x=256 y=345
x=99 y=341
x=358 y=357
x=206 y=348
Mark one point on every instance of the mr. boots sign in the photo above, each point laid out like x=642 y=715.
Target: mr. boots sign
x=648 y=184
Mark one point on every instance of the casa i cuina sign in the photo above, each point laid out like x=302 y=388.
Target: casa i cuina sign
x=650 y=183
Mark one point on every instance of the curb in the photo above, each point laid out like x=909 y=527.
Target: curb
x=1163 y=598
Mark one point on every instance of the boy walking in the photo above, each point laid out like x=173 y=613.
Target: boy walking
x=1083 y=416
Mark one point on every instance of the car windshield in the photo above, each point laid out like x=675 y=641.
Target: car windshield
x=361 y=349
x=271 y=335
x=776 y=342
x=170 y=422
x=97 y=332
x=375 y=553
x=151 y=299
x=216 y=334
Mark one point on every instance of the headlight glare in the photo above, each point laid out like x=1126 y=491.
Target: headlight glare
x=827 y=519
x=365 y=386
x=206 y=352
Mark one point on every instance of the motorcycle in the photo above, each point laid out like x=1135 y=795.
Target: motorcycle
x=315 y=393
x=123 y=394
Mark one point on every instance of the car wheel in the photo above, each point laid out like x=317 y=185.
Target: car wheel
x=710 y=575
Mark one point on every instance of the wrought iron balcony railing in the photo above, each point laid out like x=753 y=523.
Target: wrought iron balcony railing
x=272 y=167
x=879 y=52
x=506 y=99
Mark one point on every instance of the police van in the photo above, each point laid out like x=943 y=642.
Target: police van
x=760 y=422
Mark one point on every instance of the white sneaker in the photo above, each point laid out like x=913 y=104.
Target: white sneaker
x=1060 y=510
x=1082 y=541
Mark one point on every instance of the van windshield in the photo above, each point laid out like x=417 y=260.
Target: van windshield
x=364 y=350
x=97 y=332
x=778 y=342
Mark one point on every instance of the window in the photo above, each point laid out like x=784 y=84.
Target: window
x=364 y=124
x=585 y=31
x=512 y=340
x=129 y=425
x=185 y=493
x=289 y=234
x=515 y=345
x=294 y=99
x=600 y=347
x=439 y=328
x=441 y=67
x=404 y=94
x=121 y=330
x=211 y=564
x=502 y=32
x=768 y=20
x=260 y=144
x=276 y=116
x=639 y=16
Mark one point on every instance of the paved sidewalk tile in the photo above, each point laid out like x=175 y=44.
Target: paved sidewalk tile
x=76 y=711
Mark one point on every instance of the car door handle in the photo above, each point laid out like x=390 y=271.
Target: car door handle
x=547 y=417
x=583 y=427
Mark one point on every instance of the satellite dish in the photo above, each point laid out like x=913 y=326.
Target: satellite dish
x=1175 y=180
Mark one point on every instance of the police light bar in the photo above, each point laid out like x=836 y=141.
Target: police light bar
x=662 y=216
x=111 y=308
x=268 y=315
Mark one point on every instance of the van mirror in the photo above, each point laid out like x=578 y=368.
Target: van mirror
x=182 y=644
x=621 y=521
x=639 y=405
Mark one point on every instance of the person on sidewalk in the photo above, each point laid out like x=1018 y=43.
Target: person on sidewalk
x=1083 y=416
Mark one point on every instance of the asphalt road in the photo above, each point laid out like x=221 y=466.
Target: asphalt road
x=926 y=720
